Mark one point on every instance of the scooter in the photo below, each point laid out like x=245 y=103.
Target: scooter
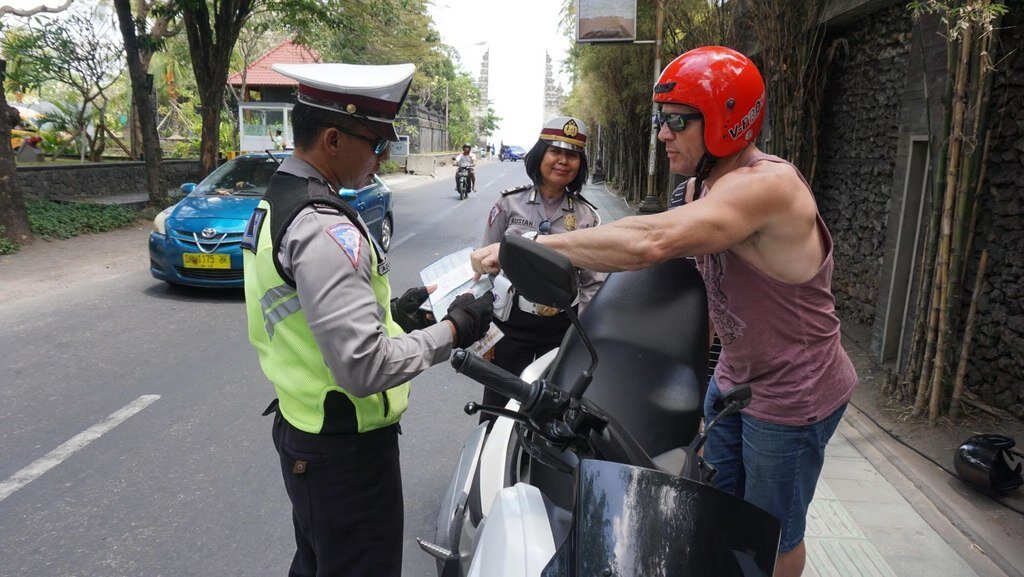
x=462 y=182
x=589 y=472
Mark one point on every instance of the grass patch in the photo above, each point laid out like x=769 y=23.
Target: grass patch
x=50 y=220
x=6 y=246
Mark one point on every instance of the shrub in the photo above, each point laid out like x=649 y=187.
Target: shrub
x=6 y=246
x=49 y=219
x=388 y=167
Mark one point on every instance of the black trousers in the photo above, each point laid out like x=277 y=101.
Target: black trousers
x=346 y=494
x=527 y=337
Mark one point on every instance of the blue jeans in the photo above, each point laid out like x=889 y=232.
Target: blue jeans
x=774 y=467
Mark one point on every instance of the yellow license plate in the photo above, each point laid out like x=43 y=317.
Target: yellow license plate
x=193 y=260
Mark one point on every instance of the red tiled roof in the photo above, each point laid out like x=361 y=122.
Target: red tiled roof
x=260 y=73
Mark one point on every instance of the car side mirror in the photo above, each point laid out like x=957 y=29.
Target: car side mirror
x=187 y=188
x=539 y=273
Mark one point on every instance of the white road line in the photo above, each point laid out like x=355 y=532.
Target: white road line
x=79 y=441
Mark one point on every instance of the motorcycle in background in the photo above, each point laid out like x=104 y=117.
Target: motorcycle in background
x=589 y=472
x=462 y=182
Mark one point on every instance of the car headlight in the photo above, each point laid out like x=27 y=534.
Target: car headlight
x=160 y=220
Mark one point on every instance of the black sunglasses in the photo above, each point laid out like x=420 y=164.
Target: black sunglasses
x=379 y=144
x=676 y=121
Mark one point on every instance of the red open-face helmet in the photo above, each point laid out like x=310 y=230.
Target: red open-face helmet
x=725 y=86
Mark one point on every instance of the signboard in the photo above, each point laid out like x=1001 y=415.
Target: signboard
x=605 y=20
x=400 y=148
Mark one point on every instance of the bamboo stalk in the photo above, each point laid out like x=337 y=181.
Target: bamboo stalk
x=965 y=347
x=913 y=365
x=943 y=262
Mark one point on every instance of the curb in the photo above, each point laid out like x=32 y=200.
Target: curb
x=964 y=521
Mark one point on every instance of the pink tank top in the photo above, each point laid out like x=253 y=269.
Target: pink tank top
x=782 y=339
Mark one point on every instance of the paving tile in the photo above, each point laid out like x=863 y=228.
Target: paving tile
x=828 y=518
x=865 y=491
x=824 y=491
x=838 y=557
x=849 y=468
x=889 y=515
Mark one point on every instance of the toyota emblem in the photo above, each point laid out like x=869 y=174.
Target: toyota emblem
x=209 y=233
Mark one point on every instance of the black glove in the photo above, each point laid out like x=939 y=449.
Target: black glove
x=406 y=310
x=471 y=317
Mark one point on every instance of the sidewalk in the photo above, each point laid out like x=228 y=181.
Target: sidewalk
x=882 y=510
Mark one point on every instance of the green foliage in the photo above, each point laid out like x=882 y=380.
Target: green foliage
x=6 y=246
x=388 y=167
x=50 y=219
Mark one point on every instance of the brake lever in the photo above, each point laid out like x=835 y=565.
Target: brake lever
x=473 y=408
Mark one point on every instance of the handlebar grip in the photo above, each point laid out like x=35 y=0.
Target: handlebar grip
x=493 y=377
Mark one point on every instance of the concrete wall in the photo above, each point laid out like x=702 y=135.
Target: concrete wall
x=107 y=178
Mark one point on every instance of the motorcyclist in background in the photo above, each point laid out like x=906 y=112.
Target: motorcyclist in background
x=468 y=159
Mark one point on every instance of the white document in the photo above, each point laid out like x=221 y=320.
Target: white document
x=453 y=275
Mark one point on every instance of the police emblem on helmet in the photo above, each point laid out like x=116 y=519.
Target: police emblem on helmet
x=570 y=129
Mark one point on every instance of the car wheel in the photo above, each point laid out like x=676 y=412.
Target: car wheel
x=386 y=233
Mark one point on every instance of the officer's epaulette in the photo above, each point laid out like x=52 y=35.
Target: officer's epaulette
x=516 y=189
x=580 y=198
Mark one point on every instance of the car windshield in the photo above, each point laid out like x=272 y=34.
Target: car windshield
x=246 y=176
x=518 y=150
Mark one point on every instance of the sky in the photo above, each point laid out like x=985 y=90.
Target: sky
x=517 y=33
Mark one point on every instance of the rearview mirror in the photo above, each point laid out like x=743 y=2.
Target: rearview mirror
x=187 y=188
x=738 y=395
x=538 y=273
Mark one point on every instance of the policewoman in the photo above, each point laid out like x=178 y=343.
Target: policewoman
x=557 y=165
x=328 y=335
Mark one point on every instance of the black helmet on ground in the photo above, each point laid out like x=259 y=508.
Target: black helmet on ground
x=984 y=461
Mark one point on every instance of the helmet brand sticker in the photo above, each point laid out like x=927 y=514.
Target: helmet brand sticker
x=742 y=127
x=347 y=237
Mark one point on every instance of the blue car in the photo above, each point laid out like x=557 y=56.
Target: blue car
x=512 y=153
x=197 y=241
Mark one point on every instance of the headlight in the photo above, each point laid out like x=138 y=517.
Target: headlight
x=158 y=222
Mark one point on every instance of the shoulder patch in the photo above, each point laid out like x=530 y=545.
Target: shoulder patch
x=348 y=238
x=516 y=189
x=495 y=211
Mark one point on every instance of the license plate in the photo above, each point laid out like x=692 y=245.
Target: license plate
x=193 y=260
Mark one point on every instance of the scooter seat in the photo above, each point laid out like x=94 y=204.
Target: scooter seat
x=650 y=330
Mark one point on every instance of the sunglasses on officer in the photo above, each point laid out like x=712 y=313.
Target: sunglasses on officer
x=379 y=144
x=676 y=121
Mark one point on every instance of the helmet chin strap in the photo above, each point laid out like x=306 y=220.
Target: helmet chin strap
x=707 y=162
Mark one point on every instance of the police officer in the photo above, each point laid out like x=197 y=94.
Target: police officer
x=557 y=165
x=327 y=333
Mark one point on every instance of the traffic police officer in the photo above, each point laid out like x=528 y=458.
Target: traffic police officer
x=557 y=165
x=327 y=334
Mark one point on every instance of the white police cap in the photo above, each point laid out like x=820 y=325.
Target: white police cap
x=565 y=132
x=372 y=92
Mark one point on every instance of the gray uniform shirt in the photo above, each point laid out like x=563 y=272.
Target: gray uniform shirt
x=341 y=308
x=523 y=211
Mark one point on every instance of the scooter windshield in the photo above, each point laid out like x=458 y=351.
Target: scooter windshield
x=631 y=521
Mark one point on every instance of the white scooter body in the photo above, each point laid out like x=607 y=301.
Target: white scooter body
x=516 y=538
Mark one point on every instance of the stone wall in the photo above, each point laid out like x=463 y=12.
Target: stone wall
x=858 y=146
x=106 y=178
x=426 y=127
x=996 y=372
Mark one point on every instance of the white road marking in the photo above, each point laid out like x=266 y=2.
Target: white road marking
x=73 y=445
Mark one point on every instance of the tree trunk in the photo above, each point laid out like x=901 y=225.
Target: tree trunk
x=210 y=51
x=144 y=106
x=13 y=216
